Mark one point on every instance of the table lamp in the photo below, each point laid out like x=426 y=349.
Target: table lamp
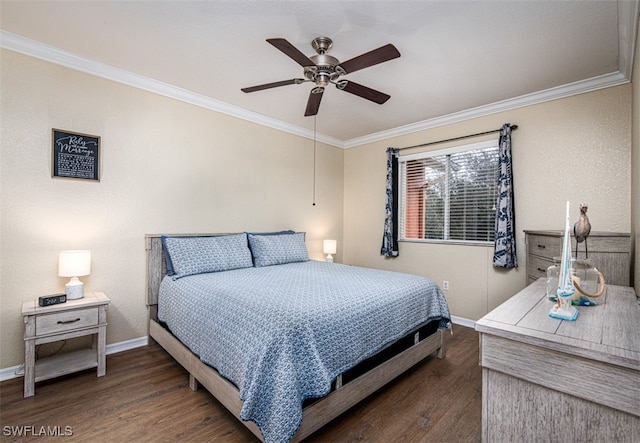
x=329 y=247
x=74 y=264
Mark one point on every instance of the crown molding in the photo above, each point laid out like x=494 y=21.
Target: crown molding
x=580 y=87
x=52 y=54
x=628 y=22
x=628 y=28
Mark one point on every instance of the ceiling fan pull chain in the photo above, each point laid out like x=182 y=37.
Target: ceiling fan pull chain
x=314 y=159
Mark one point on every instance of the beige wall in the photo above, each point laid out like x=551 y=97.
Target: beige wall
x=635 y=166
x=167 y=167
x=575 y=149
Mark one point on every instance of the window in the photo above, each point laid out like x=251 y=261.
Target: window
x=449 y=195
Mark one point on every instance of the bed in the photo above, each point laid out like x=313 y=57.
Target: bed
x=285 y=343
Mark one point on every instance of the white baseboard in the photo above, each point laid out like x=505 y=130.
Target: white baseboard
x=114 y=348
x=463 y=321
x=9 y=373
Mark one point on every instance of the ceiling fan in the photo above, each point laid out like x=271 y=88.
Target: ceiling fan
x=323 y=69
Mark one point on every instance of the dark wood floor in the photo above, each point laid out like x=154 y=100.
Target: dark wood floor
x=145 y=397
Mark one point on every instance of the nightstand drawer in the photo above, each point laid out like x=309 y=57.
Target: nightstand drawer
x=66 y=321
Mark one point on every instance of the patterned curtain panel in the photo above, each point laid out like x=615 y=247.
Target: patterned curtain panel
x=390 y=237
x=504 y=253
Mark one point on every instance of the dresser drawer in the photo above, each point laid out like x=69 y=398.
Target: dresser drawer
x=537 y=266
x=66 y=321
x=597 y=243
x=545 y=246
x=610 y=252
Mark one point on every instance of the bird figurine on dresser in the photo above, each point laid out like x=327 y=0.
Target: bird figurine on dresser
x=581 y=229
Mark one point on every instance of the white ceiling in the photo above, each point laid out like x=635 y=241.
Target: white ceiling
x=459 y=58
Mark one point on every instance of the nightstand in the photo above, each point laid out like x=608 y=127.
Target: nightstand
x=75 y=318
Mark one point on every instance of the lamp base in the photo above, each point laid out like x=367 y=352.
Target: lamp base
x=74 y=289
x=329 y=258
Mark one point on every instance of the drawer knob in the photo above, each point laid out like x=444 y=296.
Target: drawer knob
x=542 y=246
x=66 y=322
x=542 y=270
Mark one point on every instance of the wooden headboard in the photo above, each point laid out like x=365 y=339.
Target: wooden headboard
x=157 y=266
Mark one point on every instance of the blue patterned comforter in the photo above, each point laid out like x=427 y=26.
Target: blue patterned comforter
x=283 y=333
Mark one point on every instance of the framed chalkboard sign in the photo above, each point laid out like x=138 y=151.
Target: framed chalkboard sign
x=75 y=155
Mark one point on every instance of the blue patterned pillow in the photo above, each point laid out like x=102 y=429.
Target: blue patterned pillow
x=167 y=257
x=278 y=249
x=198 y=255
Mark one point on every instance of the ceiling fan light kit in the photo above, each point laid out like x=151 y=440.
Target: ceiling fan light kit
x=323 y=69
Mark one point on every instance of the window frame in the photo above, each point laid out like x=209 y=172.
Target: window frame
x=402 y=159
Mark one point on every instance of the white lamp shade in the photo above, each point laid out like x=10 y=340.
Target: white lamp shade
x=74 y=263
x=329 y=246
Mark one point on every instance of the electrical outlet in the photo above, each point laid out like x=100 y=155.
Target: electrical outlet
x=445 y=285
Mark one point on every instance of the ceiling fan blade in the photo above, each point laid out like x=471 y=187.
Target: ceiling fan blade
x=290 y=50
x=382 y=54
x=363 y=91
x=293 y=81
x=313 y=104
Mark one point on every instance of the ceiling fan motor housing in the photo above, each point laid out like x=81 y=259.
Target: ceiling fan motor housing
x=324 y=70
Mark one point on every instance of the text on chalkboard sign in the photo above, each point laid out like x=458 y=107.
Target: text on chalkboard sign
x=75 y=155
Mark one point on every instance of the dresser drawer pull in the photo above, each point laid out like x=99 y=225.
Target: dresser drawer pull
x=542 y=246
x=66 y=322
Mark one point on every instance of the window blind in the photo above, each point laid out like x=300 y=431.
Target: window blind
x=449 y=195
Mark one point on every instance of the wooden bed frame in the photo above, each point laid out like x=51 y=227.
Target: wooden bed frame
x=317 y=413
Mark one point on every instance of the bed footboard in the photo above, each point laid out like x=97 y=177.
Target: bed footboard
x=318 y=413
x=224 y=391
x=326 y=409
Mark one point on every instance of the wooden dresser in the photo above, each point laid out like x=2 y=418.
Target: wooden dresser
x=610 y=252
x=545 y=379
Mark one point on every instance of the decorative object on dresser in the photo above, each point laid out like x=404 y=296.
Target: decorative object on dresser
x=589 y=282
x=74 y=264
x=75 y=318
x=329 y=247
x=581 y=379
x=564 y=309
x=581 y=229
x=610 y=252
